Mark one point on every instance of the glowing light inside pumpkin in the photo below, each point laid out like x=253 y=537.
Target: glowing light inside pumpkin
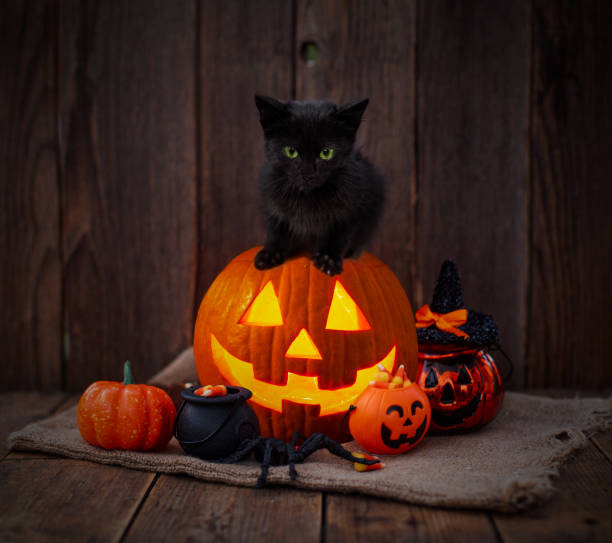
x=264 y=309
x=299 y=388
x=303 y=347
x=344 y=313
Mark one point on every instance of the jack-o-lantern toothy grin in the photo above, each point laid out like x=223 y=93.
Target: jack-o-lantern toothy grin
x=395 y=442
x=299 y=388
x=304 y=343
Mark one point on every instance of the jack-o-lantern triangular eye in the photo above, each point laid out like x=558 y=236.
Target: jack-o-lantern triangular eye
x=464 y=377
x=344 y=313
x=264 y=309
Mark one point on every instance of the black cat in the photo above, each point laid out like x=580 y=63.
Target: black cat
x=318 y=193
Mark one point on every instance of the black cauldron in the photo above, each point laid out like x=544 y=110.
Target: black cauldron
x=212 y=428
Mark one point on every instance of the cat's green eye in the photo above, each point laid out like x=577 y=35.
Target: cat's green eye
x=291 y=152
x=326 y=153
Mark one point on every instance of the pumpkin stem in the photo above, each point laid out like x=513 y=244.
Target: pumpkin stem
x=128 y=378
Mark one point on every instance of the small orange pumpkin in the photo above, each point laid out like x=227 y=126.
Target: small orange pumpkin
x=115 y=415
x=390 y=420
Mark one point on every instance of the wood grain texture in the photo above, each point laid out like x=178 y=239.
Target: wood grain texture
x=20 y=408
x=130 y=148
x=44 y=499
x=571 y=233
x=128 y=116
x=366 y=49
x=360 y=518
x=30 y=269
x=603 y=442
x=580 y=511
x=473 y=69
x=245 y=48
x=183 y=509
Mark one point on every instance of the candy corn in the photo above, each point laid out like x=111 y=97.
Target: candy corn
x=401 y=373
x=383 y=379
x=365 y=467
x=397 y=380
x=209 y=391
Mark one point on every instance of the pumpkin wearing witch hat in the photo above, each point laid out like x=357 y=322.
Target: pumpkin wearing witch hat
x=455 y=369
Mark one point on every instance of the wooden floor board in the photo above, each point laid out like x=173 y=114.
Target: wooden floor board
x=362 y=518
x=603 y=442
x=20 y=408
x=581 y=510
x=44 y=499
x=184 y=509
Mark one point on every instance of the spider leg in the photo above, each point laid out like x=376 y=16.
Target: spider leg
x=320 y=441
x=265 y=465
x=296 y=436
x=291 y=456
x=243 y=450
x=311 y=444
x=294 y=453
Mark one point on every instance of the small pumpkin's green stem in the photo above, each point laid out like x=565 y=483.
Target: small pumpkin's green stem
x=128 y=379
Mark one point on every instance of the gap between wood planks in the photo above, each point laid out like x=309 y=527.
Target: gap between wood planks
x=43 y=494
x=139 y=507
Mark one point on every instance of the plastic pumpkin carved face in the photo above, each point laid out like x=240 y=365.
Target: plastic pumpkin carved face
x=390 y=421
x=304 y=343
x=464 y=388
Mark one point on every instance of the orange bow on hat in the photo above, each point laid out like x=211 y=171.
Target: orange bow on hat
x=444 y=321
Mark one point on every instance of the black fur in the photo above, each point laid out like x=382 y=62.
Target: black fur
x=326 y=207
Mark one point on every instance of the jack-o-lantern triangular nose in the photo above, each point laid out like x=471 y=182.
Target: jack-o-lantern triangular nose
x=448 y=396
x=303 y=347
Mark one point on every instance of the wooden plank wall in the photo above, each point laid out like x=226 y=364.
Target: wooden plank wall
x=129 y=146
x=568 y=340
x=127 y=113
x=30 y=258
x=473 y=104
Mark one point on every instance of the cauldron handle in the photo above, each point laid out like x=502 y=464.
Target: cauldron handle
x=234 y=408
x=505 y=378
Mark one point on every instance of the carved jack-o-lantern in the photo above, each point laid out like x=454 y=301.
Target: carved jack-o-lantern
x=390 y=421
x=463 y=386
x=304 y=343
x=455 y=370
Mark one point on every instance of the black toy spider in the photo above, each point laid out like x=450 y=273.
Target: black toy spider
x=275 y=452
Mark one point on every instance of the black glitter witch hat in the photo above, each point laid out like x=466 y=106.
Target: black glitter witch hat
x=480 y=328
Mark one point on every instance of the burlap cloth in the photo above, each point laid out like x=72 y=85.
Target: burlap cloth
x=507 y=466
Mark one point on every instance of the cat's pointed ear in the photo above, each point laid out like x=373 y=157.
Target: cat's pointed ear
x=350 y=114
x=270 y=110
